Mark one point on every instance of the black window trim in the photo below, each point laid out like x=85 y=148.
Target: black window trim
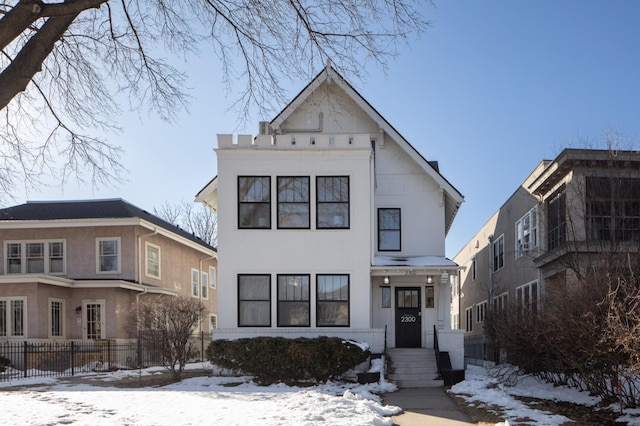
x=286 y=301
x=380 y=209
x=251 y=202
x=329 y=301
x=348 y=202
x=260 y=300
x=278 y=202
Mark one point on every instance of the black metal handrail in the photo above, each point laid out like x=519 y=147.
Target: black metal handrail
x=436 y=347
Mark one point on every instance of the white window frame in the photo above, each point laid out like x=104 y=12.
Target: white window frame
x=524 y=299
x=212 y=277
x=455 y=320
x=468 y=317
x=103 y=327
x=195 y=284
x=204 y=284
x=118 y=254
x=498 y=244
x=62 y=303
x=213 y=322
x=500 y=303
x=481 y=311
x=46 y=254
x=526 y=238
x=147 y=272
x=8 y=334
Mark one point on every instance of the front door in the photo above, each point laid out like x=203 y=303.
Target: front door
x=93 y=319
x=408 y=318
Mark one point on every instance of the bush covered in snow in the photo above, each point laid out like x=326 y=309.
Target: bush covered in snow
x=276 y=359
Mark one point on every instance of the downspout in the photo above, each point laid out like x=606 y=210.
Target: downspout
x=200 y=293
x=489 y=299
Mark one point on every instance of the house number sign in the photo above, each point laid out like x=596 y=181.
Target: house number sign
x=408 y=318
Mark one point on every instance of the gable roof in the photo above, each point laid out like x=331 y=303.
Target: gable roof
x=90 y=209
x=452 y=197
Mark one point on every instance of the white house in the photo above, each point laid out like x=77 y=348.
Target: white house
x=331 y=223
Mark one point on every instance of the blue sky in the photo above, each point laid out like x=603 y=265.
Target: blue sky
x=491 y=89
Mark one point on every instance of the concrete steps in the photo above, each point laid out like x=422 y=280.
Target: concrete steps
x=413 y=368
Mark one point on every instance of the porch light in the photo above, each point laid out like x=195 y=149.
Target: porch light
x=429 y=279
x=385 y=280
x=78 y=309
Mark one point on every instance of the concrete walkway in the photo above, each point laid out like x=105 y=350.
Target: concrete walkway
x=426 y=406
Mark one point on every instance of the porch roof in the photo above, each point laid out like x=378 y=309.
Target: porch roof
x=428 y=264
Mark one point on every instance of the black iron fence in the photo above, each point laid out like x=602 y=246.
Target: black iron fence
x=68 y=358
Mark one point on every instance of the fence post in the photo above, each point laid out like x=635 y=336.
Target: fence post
x=73 y=359
x=25 y=358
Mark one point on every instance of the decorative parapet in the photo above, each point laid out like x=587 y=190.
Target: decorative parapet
x=298 y=141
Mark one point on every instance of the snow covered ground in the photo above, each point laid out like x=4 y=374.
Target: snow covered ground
x=195 y=401
x=480 y=389
x=209 y=401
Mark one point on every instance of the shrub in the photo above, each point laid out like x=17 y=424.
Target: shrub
x=276 y=359
x=4 y=363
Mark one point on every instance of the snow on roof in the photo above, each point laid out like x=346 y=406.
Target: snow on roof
x=419 y=261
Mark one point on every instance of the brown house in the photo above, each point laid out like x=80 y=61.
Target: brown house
x=75 y=269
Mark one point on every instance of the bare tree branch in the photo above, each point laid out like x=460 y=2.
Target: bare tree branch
x=84 y=57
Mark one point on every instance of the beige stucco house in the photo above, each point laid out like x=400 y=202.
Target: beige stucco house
x=75 y=269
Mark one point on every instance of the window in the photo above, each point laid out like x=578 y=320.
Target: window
x=498 y=253
x=408 y=298
x=204 y=281
x=254 y=202
x=389 y=229
x=613 y=209
x=500 y=305
x=527 y=298
x=14 y=258
x=468 y=313
x=56 y=318
x=556 y=220
x=35 y=257
x=195 y=283
x=153 y=261
x=429 y=297
x=293 y=202
x=293 y=301
x=481 y=311
x=254 y=300
x=386 y=297
x=56 y=257
x=333 y=301
x=212 y=277
x=455 y=320
x=213 y=322
x=13 y=316
x=332 y=202
x=473 y=268
x=527 y=232
x=108 y=255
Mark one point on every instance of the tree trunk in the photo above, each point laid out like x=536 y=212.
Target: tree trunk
x=17 y=75
x=15 y=78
